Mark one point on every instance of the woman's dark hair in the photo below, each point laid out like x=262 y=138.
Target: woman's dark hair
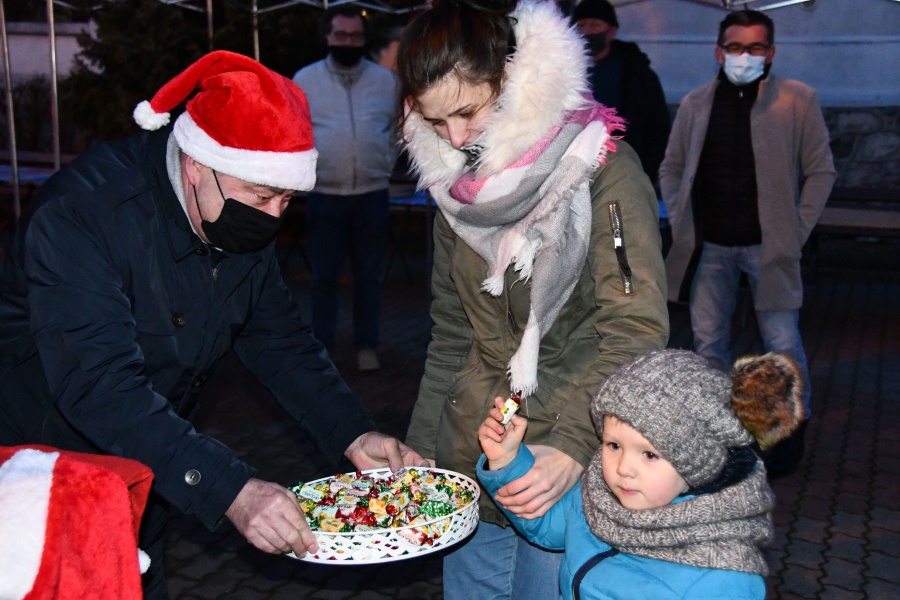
x=470 y=38
x=747 y=18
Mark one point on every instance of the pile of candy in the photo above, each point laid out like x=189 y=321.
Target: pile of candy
x=358 y=502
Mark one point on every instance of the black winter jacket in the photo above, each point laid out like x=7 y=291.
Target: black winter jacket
x=643 y=105
x=124 y=322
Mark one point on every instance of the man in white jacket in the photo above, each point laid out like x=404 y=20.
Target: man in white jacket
x=739 y=148
x=353 y=103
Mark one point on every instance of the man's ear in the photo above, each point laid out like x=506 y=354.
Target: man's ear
x=191 y=169
x=770 y=54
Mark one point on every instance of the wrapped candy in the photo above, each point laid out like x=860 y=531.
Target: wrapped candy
x=510 y=407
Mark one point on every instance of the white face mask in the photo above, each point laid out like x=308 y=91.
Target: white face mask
x=744 y=68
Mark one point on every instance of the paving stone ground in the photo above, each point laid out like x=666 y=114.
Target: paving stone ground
x=837 y=519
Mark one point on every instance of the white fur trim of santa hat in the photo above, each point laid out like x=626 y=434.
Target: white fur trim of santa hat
x=241 y=119
x=285 y=170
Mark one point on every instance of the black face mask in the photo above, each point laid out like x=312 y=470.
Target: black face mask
x=347 y=56
x=239 y=228
x=596 y=42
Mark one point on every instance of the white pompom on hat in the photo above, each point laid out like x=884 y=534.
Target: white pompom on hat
x=245 y=121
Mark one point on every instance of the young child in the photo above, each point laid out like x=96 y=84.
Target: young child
x=675 y=503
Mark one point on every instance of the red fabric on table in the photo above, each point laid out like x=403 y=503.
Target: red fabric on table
x=91 y=531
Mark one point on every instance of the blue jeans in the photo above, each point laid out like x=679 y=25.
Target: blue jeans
x=712 y=303
x=340 y=227
x=496 y=564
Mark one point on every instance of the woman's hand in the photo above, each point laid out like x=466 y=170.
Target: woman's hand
x=553 y=474
x=375 y=450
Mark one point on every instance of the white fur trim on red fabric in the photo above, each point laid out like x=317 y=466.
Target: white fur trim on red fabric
x=143 y=561
x=149 y=119
x=286 y=170
x=25 y=481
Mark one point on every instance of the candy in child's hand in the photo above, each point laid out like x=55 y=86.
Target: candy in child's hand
x=509 y=409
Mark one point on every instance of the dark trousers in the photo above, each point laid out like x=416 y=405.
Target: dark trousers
x=150 y=540
x=342 y=227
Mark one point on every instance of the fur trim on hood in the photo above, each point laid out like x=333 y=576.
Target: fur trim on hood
x=545 y=80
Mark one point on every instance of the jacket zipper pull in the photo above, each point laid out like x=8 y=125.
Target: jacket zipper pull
x=615 y=222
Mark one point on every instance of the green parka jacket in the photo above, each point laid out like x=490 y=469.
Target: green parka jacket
x=599 y=328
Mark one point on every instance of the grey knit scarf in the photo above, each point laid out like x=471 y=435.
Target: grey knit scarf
x=720 y=530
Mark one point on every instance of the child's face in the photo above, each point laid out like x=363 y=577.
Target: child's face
x=635 y=472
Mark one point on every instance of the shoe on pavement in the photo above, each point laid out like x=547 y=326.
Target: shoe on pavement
x=367 y=360
x=784 y=457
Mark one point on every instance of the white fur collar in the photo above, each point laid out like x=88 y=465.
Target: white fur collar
x=545 y=79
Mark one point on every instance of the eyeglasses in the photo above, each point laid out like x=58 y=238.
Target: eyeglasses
x=356 y=37
x=736 y=48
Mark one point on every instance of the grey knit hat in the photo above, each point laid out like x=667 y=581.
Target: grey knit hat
x=681 y=405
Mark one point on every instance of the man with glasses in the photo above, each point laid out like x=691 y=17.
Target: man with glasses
x=746 y=174
x=353 y=103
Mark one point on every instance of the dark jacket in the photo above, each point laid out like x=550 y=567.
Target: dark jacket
x=126 y=319
x=643 y=105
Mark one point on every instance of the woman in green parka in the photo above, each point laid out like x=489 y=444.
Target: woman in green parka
x=548 y=271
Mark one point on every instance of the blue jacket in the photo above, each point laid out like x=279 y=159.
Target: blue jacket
x=618 y=576
x=128 y=313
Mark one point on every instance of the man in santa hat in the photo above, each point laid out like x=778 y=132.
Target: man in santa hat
x=149 y=259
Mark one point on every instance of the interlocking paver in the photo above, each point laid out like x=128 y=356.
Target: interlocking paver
x=886 y=519
x=878 y=589
x=800 y=581
x=833 y=593
x=856 y=503
x=805 y=554
x=848 y=523
x=884 y=541
x=845 y=574
x=810 y=530
x=883 y=566
x=821 y=488
x=846 y=548
x=814 y=508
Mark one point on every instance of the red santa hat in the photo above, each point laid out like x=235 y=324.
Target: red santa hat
x=69 y=525
x=245 y=121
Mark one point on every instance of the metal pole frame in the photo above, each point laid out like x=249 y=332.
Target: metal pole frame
x=14 y=158
x=54 y=87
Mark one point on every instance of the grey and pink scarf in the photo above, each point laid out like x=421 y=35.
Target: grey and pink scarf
x=535 y=214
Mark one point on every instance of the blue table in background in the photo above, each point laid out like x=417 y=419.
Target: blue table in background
x=35 y=175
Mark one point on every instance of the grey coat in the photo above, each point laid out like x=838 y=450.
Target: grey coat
x=790 y=142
